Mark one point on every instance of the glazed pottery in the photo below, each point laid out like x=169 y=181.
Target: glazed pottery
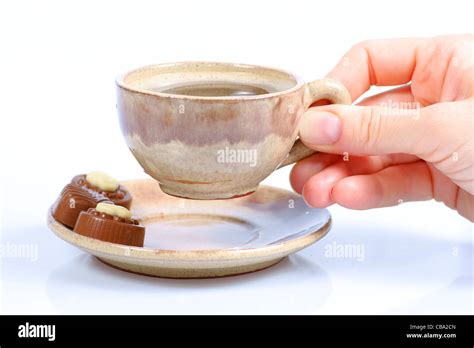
x=201 y=239
x=209 y=147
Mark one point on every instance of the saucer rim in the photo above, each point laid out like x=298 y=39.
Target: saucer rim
x=94 y=246
x=114 y=249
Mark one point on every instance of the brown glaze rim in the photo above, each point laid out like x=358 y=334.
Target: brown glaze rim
x=120 y=82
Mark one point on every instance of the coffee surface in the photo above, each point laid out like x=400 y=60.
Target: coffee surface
x=214 y=89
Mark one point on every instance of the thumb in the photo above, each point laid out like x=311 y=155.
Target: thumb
x=376 y=130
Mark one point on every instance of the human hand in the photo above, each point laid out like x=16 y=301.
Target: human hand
x=411 y=143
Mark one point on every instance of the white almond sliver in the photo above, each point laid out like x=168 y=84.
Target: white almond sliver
x=103 y=181
x=115 y=210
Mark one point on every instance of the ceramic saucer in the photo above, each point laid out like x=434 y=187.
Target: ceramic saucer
x=201 y=239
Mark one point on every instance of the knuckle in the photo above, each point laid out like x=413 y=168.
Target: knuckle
x=364 y=45
x=357 y=49
x=369 y=126
x=361 y=44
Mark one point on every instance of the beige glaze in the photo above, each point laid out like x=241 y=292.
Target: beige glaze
x=215 y=147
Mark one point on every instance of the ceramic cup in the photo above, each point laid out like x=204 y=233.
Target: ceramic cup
x=216 y=147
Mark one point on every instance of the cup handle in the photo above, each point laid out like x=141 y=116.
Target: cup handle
x=329 y=89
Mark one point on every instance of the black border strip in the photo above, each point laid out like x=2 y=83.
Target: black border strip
x=138 y=331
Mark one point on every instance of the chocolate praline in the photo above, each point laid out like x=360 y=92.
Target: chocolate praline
x=121 y=196
x=110 y=228
x=72 y=201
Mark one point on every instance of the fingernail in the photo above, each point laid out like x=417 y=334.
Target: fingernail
x=320 y=128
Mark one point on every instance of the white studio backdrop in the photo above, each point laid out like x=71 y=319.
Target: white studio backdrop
x=59 y=59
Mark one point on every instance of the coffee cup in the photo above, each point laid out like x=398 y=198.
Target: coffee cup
x=208 y=130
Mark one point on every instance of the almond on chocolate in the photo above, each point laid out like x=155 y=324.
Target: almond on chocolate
x=105 y=185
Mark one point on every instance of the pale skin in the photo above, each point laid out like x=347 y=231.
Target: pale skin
x=380 y=153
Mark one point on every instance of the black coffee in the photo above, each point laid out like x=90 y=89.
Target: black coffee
x=215 y=89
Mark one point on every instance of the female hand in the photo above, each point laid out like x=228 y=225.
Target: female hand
x=411 y=143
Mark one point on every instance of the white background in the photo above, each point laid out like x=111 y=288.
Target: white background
x=58 y=61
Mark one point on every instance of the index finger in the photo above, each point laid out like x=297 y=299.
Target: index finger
x=377 y=63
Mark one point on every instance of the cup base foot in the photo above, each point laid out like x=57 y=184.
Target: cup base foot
x=202 y=195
